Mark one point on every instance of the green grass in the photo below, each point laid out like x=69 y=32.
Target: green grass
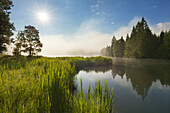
x=39 y=84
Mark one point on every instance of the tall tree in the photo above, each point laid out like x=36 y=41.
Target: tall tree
x=33 y=44
x=161 y=37
x=20 y=43
x=165 y=46
x=131 y=44
x=6 y=27
x=142 y=43
x=160 y=53
x=112 y=45
x=119 y=48
x=127 y=37
x=146 y=41
x=28 y=41
x=127 y=46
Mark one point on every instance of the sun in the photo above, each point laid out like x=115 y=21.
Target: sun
x=43 y=16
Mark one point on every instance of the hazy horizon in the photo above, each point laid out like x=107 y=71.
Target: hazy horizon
x=85 y=27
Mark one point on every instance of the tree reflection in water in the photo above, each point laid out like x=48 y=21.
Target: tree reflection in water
x=141 y=73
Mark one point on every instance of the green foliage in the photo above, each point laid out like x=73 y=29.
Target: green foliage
x=130 y=50
x=19 y=43
x=28 y=41
x=112 y=45
x=116 y=50
x=6 y=27
x=38 y=84
x=80 y=62
x=164 y=50
x=142 y=43
x=100 y=101
x=119 y=48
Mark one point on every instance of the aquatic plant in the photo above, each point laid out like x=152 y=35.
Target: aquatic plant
x=39 y=84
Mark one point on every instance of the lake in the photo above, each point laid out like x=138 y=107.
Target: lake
x=139 y=86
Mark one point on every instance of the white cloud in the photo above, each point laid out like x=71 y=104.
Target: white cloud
x=97 y=5
x=86 y=41
x=160 y=27
x=88 y=26
x=97 y=13
x=124 y=30
x=96 y=8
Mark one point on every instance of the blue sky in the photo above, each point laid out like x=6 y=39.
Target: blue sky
x=71 y=20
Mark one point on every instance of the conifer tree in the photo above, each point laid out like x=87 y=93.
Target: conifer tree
x=28 y=41
x=112 y=45
x=6 y=27
x=119 y=48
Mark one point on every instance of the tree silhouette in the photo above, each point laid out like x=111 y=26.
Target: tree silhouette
x=6 y=27
x=28 y=41
x=20 y=42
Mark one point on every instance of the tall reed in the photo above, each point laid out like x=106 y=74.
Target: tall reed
x=39 y=84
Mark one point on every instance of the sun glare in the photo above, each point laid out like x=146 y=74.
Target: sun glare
x=43 y=16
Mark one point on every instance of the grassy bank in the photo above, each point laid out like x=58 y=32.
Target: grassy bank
x=38 y=84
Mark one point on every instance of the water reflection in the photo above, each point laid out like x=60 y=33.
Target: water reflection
x=147 y=79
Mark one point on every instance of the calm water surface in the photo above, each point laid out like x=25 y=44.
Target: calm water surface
x=140 y=86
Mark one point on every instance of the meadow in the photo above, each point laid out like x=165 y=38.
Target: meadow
x=46 y=85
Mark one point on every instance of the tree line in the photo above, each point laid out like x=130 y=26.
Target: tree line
x=27 y=40
x=141 y=43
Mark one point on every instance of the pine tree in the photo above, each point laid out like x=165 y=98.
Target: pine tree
x=28 y=41
x=20 y=43
x=131 y=44
x=6 y=27
x=142 y=43
x=146 y=41
x=127 y=37
x=112 y=45
x=33 y=45
x=165 y=47
x=119 y=48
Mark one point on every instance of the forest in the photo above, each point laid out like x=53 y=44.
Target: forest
x=141 y=43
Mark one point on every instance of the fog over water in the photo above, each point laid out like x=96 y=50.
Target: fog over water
x=88 y=40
